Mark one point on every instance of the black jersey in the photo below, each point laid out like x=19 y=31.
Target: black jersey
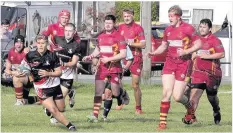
x=48 y=61
x=67 y=49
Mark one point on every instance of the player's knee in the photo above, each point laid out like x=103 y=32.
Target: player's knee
x=177 y=98
x=53 y=110
x=135 y=86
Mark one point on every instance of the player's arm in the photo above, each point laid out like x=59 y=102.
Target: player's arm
x=73 y=61
x=8 y=68
x=162 y=48
x=94 y=54
x=47 y=31
x=197 y=44
x=119 y=56
x=213 y=56
x=141 y=37
x=55 y=73
x=141 y=44
x=128 y=64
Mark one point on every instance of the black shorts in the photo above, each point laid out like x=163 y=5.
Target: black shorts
x=66 y=83
x=54 y=92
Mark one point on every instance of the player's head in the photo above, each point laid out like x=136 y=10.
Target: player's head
x=174 y=15
x=205 y=27
x=128 y=14
x=19 y=43
x=41 y=43
x=5 y=24
x=69 y=31
x=109 y=22
x=64 y=17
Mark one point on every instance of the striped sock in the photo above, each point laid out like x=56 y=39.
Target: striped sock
x=19 y=92
x=97 y=105
x=164 y=108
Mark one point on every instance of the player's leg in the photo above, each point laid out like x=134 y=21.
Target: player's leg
x=18 y=85
x=137 y=93
x=99 y=90
x=54 y=102
x=135 y=70
x=212 y=95
x=168 y=81
x=123 y=98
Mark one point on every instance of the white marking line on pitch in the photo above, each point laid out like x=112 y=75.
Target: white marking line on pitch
x=224 y=92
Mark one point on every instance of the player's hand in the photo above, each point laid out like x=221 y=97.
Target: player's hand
x=87 y=58
x=181 y=52
x=105 y=60
x=43 y=73
x=149 y=54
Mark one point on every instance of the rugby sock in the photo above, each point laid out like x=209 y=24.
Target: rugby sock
x=164 y=108
x=107 y=107
x=214 y=101
x=138 y=107
x=69 y=125
x=19 y=92
x=97 y=105
x=119 y=100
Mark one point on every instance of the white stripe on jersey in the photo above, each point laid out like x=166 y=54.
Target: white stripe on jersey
x=175 y=43
x=50 y=82
x=203 y=51
x=106 y=49
x=68 y=73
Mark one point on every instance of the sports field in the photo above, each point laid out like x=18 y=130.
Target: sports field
x=31 y=118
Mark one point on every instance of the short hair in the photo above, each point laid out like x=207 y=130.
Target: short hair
x=70 y=25
x=41 y=36
x=5 y=22
x=129 y=10
x=176 y=9
x=110 y=17
x=206 y=21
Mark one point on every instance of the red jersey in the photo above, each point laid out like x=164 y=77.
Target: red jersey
x=179 y=38
x=110 y=45
x=15 y=58
x=135 y=32
x=57 y=30
x=211 y=45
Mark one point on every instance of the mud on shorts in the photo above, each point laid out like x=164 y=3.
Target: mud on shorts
x=204 y=80
x=136 y=66
x=182 y=71
x=44 y=93
x=67 y=83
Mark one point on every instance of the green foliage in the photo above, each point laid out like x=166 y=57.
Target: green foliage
x=31 y=118
x=136 y=6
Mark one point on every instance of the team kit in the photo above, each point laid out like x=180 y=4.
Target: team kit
x=192 y=65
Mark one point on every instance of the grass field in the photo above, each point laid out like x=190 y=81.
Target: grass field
x=31 y=118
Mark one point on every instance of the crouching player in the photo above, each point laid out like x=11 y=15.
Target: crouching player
x=21 y=83
x=45 y=68
x=206 y=73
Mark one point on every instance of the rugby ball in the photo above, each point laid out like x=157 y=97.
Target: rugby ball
x=24 y=69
